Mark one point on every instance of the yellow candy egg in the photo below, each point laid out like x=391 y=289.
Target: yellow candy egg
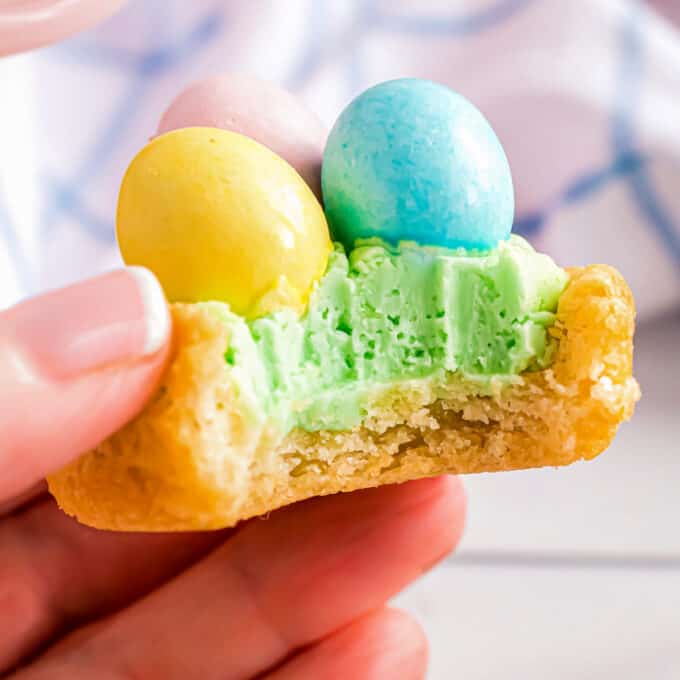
x=217 y=216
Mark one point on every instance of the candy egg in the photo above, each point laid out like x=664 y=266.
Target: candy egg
x=257 y=109
x=217 y=216
x=412 y=160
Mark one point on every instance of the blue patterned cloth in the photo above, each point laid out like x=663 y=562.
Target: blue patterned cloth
x=584 y=95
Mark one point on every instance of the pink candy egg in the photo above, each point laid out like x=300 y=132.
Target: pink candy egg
x=259 y=110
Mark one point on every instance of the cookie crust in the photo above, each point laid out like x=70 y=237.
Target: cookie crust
x=191 y=461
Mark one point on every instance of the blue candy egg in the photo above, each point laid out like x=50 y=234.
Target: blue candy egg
x=411 y=160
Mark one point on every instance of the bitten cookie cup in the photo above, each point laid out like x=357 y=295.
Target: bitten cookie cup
x=397 y=332
x=192 y=461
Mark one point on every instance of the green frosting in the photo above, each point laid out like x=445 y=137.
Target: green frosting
x=381 y=315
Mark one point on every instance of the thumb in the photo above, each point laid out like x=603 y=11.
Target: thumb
x=75 y=365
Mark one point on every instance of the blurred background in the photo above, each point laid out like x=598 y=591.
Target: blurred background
x=562 y=574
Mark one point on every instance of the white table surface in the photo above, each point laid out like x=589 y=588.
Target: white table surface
x=572 y=573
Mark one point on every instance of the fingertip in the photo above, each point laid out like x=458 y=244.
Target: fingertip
x=156 y=310
x=112 y=320
x=27 y=25
x=408 y=641
x=432 y=512
x=440 y=501
x=386 y=643
x=454 y=501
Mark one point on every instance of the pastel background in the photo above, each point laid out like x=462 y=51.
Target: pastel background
x=562 y=574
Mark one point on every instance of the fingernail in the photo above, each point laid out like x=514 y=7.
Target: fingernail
x=110 y=320
x=155 y=309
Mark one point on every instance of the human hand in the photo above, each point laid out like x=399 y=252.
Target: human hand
x=26 y=24
x=300 y=595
